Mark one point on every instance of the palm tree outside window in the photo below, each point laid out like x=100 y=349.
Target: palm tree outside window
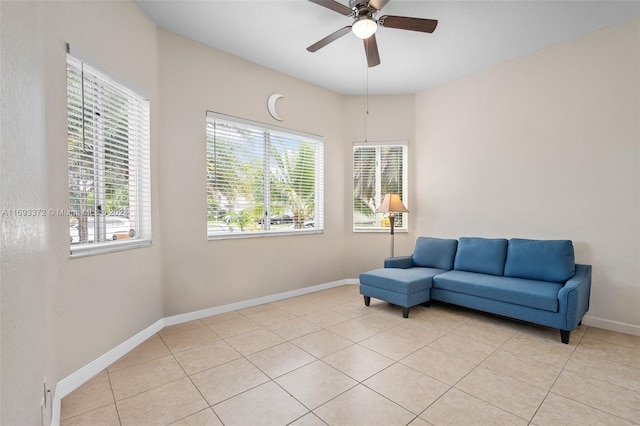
x=379 y=168
x=262 y=179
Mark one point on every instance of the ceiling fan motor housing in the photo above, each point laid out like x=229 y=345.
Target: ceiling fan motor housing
x=361 y=9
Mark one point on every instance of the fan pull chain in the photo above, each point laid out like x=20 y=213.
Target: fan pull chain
x=366 y=113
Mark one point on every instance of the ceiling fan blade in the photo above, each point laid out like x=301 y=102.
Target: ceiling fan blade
x=334 y=5
x=328 y=39
x=406 y=23
x=378 y=4
x=371 y=50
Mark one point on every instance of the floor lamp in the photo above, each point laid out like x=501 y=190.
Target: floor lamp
x=392 y=204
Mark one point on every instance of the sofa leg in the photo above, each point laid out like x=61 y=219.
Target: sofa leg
x=564 y=335
x=367 y=300
x=405 y=312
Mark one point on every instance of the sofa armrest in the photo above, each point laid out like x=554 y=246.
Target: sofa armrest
x=574 y=296
x=402 y=262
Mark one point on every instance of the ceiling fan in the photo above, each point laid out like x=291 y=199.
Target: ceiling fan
x=365 y=24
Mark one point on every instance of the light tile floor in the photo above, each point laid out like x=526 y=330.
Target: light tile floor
x=325 y=358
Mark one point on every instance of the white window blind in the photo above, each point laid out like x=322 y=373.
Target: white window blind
x=378 y=169
x=262 y=180
x=109 y=162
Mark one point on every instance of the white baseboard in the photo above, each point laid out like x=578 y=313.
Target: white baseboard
x=606 y=324
x=72 y=382
x=190 y=316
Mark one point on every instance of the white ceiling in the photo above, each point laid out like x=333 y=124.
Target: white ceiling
x=471 y=36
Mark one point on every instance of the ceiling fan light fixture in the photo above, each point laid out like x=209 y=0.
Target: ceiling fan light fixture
x=364 y=27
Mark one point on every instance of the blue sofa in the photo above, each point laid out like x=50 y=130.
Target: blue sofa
x=530 y=280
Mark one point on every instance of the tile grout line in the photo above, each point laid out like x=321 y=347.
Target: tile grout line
x=467 y=374
x=564 y=365
x=325 y=328
x=115 y=404
x=588 y=377
x=193 y=383
x=273 y=380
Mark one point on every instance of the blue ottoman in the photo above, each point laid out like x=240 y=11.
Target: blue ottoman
x=404 y=287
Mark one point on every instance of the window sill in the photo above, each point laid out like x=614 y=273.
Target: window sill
x=386 y=230
x=107 y=247
x=240 y=234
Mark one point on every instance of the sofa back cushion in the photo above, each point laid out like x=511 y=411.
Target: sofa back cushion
x=434 y=252
x=543 y=260
x=483 y=255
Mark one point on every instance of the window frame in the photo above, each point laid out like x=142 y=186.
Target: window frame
x=134 y=165
x=401 y=219
x=265 y=225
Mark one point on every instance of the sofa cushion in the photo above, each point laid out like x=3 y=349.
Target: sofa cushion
x=435 y=252
x=483 y=255
x=530 y=293
x=544 y=260
x=405 y=281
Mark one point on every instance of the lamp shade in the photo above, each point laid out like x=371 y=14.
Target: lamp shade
x=392 y=203
x=364 y=27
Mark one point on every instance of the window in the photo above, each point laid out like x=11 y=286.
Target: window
x=378 y=169
x=108 y=149
x=262 y=180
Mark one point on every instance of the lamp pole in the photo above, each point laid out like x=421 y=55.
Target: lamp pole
x=392 y=220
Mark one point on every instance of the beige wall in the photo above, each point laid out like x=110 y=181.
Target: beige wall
x=58 y=314
x=545 y=146
x=390 y=118
x=25 y=273
x=201 y=274
x=100 y=301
